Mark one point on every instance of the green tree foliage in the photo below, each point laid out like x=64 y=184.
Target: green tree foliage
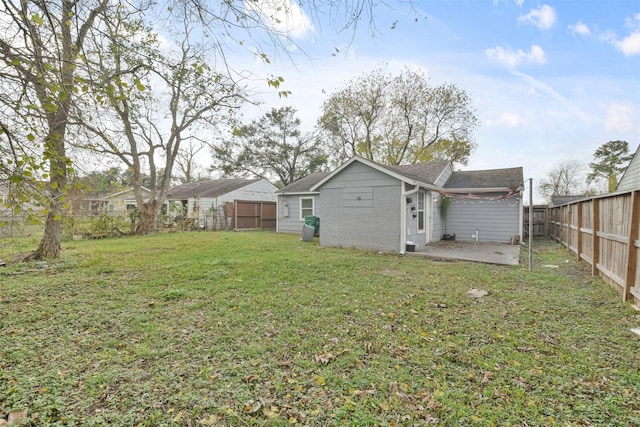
x=399 y=120
x=272 y=147
x=610 y=160
x=41 y=47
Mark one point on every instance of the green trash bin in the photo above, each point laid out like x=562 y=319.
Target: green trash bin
x=313 y=221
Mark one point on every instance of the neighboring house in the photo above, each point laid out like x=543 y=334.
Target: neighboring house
x=295 y=201
x=630 y=179
x=10 y=209
x=367 y=205
x=233 y=203
x=562 y=200
x=124 y=201
x=115 y=204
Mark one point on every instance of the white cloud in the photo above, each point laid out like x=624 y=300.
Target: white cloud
x=580 y=28
x=544 y=17
x=506 y=120
x=513 y=58
x=284 y=16
x=621 y=117
x=630 y=45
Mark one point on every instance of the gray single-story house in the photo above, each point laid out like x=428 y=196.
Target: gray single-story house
x=208 y=201
x=630 y=179
x=295 y=201
x=364 y=204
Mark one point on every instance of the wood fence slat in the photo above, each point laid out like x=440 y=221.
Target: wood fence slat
x=603 y=231
x=631 y=250
x=613 y=237
x=595 y=258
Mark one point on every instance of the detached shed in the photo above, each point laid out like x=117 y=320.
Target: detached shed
x=233 y=203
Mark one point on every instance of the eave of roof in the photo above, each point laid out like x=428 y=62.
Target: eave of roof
x=212 y=188
x=391 y=171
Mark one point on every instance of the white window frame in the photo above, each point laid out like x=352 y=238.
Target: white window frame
x=421 y=207
x=313 y=207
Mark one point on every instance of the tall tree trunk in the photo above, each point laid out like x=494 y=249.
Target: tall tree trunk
x=148 y=217
x=50 y=247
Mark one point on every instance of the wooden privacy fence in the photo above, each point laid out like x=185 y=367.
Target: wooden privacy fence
x=251 y=215
x=604 y=232
x=540 y=221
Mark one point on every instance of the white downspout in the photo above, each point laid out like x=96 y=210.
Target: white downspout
x=403 y=215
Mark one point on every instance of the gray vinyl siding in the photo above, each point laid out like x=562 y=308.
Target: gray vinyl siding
x=631 y=178
x=496 y=220
x=289 y=217
x=360 y=208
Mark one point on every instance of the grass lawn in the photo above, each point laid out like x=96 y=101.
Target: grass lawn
x=199 y=329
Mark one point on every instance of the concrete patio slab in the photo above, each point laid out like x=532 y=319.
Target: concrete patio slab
x=491 y=253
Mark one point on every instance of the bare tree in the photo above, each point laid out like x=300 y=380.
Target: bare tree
x=147 y=127
x=190 y=170
x=565 y=178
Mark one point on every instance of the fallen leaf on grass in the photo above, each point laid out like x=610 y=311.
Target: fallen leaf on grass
x=252 y=407
x=319 y=380
x=271 y=411
x=324 y=358
x=210 y=420
x=251 y=379
x=486 y=377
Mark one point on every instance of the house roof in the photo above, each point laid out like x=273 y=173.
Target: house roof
x=128 y=190
x=486 y=179
x=303 y=185
x=426 y=172
x=214 y=188
x=561 y=200
x=422 y=174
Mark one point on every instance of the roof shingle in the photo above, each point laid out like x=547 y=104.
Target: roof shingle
x=491 y=178
x=214 y=188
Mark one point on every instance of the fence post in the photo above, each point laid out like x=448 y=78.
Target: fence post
x=579 y=231
x=631 y=246
x=595 y=244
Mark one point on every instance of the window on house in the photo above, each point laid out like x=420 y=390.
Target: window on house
x=421 y=212
x=306 y=207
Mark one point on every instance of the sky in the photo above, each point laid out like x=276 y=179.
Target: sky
x=550 y=81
